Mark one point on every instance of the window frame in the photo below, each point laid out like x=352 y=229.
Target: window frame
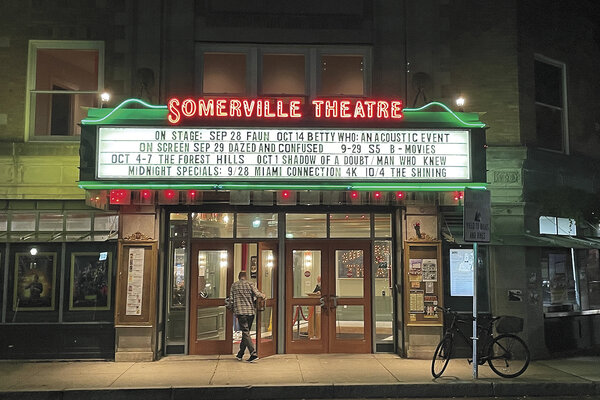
x=254 y=55
x=34 y=46
x=565 y=121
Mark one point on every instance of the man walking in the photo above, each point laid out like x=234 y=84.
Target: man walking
x=242 y=301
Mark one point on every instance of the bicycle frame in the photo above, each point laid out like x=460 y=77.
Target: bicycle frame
x=484 y=334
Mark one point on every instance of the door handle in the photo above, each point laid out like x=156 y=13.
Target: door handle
x=260 y=304
x=334 y=301
x=322 y=302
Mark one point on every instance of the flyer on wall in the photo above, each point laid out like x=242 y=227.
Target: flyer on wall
x=135 y=281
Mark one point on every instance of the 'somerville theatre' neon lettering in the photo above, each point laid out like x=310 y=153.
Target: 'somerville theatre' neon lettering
x=362 y=109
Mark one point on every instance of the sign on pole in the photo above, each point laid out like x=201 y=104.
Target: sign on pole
x=476 y=223
x=477 y=216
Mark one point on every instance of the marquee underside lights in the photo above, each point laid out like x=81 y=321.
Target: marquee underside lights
x=268 y=108
x=228 y=186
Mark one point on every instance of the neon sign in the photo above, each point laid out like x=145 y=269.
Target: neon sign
x=288 y=109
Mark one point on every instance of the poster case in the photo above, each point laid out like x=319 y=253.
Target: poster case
x=35 y=282
x=422 y=283
x=90 y=282
x=136 y=283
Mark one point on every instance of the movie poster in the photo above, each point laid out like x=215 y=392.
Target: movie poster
x=90 y=281
x=35 y=281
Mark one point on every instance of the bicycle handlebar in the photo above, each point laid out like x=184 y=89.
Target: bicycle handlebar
x=460 y=317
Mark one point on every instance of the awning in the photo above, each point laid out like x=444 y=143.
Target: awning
x=455 y=235
x=529 y=240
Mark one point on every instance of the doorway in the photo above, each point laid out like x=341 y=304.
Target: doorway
x=328 y=296
x=214 y=267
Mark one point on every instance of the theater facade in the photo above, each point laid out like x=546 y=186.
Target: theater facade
x=344 y=211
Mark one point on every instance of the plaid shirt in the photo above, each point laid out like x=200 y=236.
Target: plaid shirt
x=242 y=297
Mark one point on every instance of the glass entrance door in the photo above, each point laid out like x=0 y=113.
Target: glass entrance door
x=211 y=323
x=266 y=315
x=328 y=297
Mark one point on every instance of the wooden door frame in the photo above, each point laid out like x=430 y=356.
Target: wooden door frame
x=312 y=346
x=346 y=345
x=268 y=348
x=209 y=346
x=328 y=342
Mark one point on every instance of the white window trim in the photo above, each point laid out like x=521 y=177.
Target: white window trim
x=254 y=64
x=34 y=45
x=565 y=119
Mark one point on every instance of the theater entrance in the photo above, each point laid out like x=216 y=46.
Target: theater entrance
x=328 y=292
x=214 y=267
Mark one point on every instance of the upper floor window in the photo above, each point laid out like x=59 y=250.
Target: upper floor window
x=558 y=226
x=550 y=105
x=64 y=80
x=299 y=71
x=342 y=75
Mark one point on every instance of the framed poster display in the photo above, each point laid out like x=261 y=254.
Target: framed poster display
x=35 y=282
x=135 y=301
x=421 y=228
x=422 y=283
x=90 y=285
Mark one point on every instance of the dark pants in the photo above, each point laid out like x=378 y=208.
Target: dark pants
x=246 y=342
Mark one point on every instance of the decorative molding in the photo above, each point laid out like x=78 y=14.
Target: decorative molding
x=424 y=238
x=137 y=236
x=507 y=176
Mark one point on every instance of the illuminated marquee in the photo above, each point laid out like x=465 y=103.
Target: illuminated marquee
x=267 y=108
x=283 y=154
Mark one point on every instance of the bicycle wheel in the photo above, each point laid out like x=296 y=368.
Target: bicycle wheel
x=509 y=356
x=441 y=357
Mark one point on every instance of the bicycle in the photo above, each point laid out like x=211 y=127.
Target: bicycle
x=506 y=354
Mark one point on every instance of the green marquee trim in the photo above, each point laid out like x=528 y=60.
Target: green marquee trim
x=157 y=114
x=445 y=107
x=359 y=186
x=113 y=111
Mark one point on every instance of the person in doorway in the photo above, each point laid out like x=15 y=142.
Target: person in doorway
x=318 y=287
x=242 y=295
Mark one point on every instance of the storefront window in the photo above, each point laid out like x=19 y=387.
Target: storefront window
x=79 y=222
x=3 y=222
x=106 y=222
x=212 y=225
x=588 y=264
x=350 y=225
x=305 y=226
x=558 y=281
x=384 y=306
x=383 y=225
x=178 y=225
x=22 y=222
x=51 y=222
x=175 y=329
x=257 y=225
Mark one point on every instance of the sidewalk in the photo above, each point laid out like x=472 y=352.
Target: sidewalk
x=289 y=376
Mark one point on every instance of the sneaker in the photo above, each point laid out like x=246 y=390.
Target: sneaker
x=239 y=357
x=252 y=358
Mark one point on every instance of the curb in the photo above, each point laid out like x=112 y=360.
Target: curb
x=320 y=391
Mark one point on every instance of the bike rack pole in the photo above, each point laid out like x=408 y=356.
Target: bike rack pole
x=475 y=361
